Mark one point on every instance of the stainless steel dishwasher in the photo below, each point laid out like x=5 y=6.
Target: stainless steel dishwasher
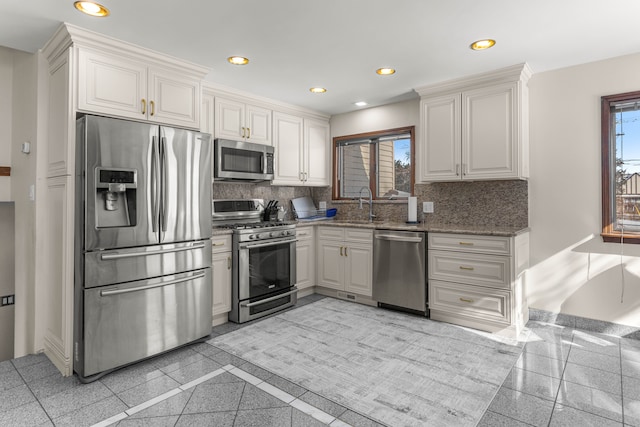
x=400 y=270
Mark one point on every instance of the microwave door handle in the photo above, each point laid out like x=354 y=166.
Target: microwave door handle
x=264 y=163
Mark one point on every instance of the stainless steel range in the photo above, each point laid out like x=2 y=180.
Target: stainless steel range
x=264 y=259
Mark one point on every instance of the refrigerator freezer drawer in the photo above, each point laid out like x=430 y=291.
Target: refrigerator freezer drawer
x=126 y=265
x=128 y=322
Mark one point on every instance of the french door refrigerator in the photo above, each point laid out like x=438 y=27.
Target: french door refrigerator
x=142 y=245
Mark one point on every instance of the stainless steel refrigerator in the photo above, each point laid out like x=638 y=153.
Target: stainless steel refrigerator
x=142 y=249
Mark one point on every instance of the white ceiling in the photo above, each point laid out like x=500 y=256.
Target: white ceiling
x=338 y=44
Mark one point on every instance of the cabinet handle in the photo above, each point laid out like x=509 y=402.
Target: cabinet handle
x=301 y=176
x=144 y=106
x=462 y=267
x=248 y=132
x=465 y=168
x=217 y=244
x=303 y=234
x=345 y=251
x=153 y=107
x=228 y=263
x=457 y=169
x=466 y=300
x=341 y=251
x=466 y=243
x=244 y=132
x=306 y=176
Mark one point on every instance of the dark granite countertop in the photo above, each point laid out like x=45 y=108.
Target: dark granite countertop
x=486 y=230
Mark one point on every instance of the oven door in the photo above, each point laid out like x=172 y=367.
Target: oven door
x=266 y=268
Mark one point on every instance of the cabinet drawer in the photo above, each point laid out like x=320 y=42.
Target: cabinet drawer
x=305 y=233
x=473 y=301
x=470 y=243
x=474 y=269
x=331 y=233
x=358 y=235
x=221 y=244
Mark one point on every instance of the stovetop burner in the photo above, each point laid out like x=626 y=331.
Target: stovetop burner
x=255 y=225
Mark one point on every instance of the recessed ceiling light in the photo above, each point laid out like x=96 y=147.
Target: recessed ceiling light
x=360 y=103
x=238 y=60
x=385 y=71
x=482 y=44
x=91 y=8
x=318 y=90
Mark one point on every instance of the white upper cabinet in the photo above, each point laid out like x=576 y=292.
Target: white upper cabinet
x=301 y=150
x=475 y=128
x=237 y=120
x=117 y=85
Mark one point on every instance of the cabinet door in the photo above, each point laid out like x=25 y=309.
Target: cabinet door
x=258 y=125
x=110 y=85
x=229 y=121
x=489 y=142
x=287 y=140
x=330 y=264
x=173 y=99
x=305 y=263
x=358 y=269
x=439 y=147
x=317 y=153
x=221 y=273
x=207 y=114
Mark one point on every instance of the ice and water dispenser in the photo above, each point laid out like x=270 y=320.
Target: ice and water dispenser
x=115 y=197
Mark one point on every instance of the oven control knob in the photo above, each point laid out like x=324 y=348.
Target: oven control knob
x=252 y=236
x=272 y=234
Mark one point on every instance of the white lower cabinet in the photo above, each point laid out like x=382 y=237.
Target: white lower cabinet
x=478 y=281
x=345 y=257
x=221 y=273
x=305 y=258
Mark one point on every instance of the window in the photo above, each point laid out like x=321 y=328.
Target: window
x=382 y=161
x=621 y=168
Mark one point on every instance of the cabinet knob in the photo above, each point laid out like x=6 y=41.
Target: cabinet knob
x=144 y=106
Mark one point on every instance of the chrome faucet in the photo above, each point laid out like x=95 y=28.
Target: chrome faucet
x=371 y=215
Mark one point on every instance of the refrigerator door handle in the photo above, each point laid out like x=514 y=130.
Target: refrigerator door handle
x=163 y=185
x=155 y=169
x=155 y=285
x=107 y=257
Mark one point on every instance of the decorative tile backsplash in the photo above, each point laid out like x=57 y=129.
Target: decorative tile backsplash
x=480 y=203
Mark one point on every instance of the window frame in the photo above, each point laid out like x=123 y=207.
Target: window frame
x=609 y=234
x=372 y=161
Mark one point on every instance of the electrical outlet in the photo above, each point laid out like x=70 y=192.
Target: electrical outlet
x=323 y=205
x=427 y=207
x=7 y=300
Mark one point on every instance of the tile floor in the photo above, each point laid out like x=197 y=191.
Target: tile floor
x=563 y=377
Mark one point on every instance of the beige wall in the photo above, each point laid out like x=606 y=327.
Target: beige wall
x=18 y=123
x=573 y=272
x=6 y=97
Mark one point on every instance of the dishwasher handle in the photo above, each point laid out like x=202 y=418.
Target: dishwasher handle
x=399 y=238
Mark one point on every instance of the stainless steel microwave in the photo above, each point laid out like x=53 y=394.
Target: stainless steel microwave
x=242 y=161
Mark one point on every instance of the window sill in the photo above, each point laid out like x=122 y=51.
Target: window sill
x=618 y=237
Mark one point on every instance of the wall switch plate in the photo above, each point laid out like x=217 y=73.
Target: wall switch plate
x=32 y=192
x=427 y=207
x=26 y=147
x=323 y=205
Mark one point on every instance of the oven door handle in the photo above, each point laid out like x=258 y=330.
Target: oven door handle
x=294 y=290
x=262 y=245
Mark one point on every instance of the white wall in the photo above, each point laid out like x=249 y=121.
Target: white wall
x=390 y=116
x=6 y=96
x=573 y=271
